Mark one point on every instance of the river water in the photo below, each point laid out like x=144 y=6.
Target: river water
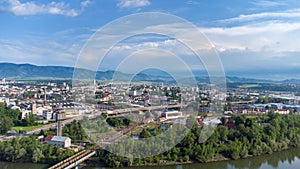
x=283 y=160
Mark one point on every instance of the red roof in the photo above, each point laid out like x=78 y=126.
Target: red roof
x=49 y=137
x=230 y=125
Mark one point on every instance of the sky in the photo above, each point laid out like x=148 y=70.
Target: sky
x=248 y=35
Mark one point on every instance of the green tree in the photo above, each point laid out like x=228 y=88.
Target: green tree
x=145 y=134
x=29 y=120
x=5 y=124
x=239 y=120
x=37 y=155
x=223 y=130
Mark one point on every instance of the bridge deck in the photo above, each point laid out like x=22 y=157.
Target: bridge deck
x=74 y=160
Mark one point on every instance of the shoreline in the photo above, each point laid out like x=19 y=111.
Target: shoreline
x=214 y=160
x=98 y=163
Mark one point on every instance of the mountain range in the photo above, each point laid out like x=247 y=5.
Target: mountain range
x=29 y=71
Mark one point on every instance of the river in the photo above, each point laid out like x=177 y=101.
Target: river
x=282 y=160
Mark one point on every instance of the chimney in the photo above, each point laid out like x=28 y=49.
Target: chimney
x=45 y=95
x=60 y=116
x=33 y=108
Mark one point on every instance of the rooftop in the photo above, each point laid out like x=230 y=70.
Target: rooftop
x=59 y=138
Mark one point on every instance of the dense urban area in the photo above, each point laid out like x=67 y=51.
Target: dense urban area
x=41 y=122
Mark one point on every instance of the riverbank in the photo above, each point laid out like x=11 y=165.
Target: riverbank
x=245 y=138
x=97 y=163
x=279 y=160
x=289 y=155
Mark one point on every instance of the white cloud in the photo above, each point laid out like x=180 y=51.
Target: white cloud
x=85 y=3
x=267 y=3
x=273 y=31
x=40 y=52
x=32 y=8
x=250 y=45
x=191 y=2
x=133 y=3
x=265 y=43
x=265 y=15
x=267 y=36
x=168 y=44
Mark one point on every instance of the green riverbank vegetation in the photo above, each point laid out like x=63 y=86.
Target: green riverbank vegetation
x=238 y=137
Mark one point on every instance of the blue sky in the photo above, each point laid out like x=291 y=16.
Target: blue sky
x=248 y=35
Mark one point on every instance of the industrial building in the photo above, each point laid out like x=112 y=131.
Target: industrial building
x=60 y=141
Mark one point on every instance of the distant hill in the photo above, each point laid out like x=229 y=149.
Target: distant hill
x=24 y=71
x=28 y=71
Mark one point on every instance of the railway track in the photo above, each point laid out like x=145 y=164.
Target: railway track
x=73 y=159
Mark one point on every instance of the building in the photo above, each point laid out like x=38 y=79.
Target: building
x=24 y=113
x=172 y=114
x=33 y=108
x=47 y=114
x=4 y=99
x=212 y=121
x=59 y=116
x=63 y=142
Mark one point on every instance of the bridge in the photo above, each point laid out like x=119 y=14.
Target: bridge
x=74 y=161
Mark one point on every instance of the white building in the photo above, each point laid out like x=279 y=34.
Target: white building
x=172 y=114
x=25 y=113
x=4 y=99
x=60 y=141
x=47 y=114
x=212 y=121
x=15 y=108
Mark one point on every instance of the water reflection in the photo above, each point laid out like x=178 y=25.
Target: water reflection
x=6 y=165
x=285 y=159
x=281 y=160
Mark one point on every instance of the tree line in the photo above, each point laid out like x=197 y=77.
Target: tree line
x=246 y=137
x=28 y=149
x=10 y=118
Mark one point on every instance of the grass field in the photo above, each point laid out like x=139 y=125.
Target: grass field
x=26 y=128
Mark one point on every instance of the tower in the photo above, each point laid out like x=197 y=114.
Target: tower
x=45 y=94
x=60 y=116
x=33 y=108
